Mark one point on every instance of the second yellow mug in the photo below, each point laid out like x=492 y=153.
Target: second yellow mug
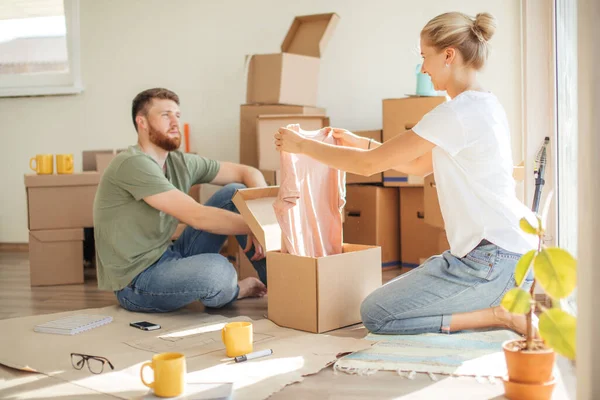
x=238 y=338
x=64 y=163
x=44 y=164
x=169 y=374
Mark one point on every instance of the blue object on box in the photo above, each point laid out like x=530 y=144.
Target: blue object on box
x=424 y=84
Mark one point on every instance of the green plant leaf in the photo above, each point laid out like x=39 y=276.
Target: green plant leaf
x=558 y=329
x=556 y=271
x=523 y=266
x=527 y=227
x=517 y=301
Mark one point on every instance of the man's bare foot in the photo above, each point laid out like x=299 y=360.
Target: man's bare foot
x=515 y=322
x=251 y=287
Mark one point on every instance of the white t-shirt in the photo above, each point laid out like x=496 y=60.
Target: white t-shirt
x=473 y=168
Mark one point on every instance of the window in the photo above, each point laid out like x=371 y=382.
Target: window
x=566 y=96
x=39 y=47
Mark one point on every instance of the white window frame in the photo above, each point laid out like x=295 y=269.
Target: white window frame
x=51 y=83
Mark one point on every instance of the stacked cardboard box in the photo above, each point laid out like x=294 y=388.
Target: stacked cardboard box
x=282 y=89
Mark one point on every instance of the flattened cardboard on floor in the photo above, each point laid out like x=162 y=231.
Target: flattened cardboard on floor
x=248 y=115
x=400 y=115
x=305 y=293
x=61 y=201
x=376 y=178
x=372 y=218
x=292 y=77
x=56 y=257
x=267 y=126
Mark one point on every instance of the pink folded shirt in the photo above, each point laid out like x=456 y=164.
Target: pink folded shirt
x=310 y=202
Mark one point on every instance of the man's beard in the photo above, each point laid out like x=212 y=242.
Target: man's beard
x=162 y=140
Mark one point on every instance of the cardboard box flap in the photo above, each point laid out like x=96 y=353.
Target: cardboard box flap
x=256 y=206
x=75 y=179
x=309 y=34
x=58 y=235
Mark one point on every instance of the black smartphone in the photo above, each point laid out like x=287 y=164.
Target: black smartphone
x=145 y=325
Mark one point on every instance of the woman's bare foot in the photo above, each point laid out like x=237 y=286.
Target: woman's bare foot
x=515 y=322
x=251 y=287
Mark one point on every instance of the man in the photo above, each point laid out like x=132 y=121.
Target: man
x=141 y=198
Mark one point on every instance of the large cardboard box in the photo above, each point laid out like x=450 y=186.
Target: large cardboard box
x=273 y=178
x=292 y=77
x=246 y=269
x=400 y=115
x=89 y=159
x=433 y=213
x=310 y=294
x=248 y=115
x=417 y=238
x=56 y=257
x=372 y=218
x=61 y=201
x=376 y=178
x=267 y=125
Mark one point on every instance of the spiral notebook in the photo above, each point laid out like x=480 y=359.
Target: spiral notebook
x=73 y=324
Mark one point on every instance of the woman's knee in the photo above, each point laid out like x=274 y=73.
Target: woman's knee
x=370 y=313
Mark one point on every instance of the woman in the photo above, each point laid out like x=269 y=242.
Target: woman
x=466 y=143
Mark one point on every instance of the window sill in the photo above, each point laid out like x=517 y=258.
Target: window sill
x=40 y=91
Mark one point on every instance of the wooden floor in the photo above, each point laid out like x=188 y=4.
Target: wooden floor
x=18 y=299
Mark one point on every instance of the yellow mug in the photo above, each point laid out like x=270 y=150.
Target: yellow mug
x=44 y=164
x=237 y=337
x=169 y=374
x=64 y=163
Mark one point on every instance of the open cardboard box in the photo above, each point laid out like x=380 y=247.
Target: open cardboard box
x=267 y=125
x=292 y=76
x=305 y=293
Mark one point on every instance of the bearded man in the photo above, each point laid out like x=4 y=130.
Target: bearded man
x=140 y=200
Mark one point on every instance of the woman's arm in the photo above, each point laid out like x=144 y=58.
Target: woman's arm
x=401 y=150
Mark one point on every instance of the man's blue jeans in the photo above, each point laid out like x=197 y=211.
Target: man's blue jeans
x=191 y=269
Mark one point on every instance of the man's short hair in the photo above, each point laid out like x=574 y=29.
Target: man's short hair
x=142 y=101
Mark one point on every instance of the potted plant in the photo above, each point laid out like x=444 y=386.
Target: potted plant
x=530 y=361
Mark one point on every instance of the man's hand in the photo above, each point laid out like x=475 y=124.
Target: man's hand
x=259 y=252
x=347 y=138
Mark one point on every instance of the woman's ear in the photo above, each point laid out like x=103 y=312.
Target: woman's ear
x=450 y=54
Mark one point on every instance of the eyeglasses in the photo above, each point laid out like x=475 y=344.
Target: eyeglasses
x=95 y=364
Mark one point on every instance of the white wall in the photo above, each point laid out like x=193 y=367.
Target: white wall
x=197 y=49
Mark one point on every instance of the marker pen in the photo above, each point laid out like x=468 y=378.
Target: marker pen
x=256 y=354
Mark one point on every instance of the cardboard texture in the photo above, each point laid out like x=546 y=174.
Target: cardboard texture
x=372 y=218
x=248 y=115
x=246 y=269
x=417 y=239
x=56 y=257
x=433 y=213
x=273 y=178
x=377 y=178
x=267 y=125
x=197 y=335
x=292 y=77
x=103 y=160
x=88 y=157
x=305 y=293
x=61 y=201
x=400 y=115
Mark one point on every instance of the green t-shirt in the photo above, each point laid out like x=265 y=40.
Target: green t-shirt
x=129 y=234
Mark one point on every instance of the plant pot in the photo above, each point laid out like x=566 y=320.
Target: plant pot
x=528 y=391
x=524 y=366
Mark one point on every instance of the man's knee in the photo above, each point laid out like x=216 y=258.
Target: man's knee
x=231 y=188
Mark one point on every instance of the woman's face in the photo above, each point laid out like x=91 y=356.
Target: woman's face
x=434 y=65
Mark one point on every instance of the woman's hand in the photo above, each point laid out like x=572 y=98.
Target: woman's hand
x=288 y=140
x=347 y=138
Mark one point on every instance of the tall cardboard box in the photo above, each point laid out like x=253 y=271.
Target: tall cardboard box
x=61 y=201
x=376 y=135
x=417 y=238
x=372 y=218
x=267 y=125
x=433 y=213
x=248 y=115
x=56 y=257
x=310 y=294
x=292 y=77
x=400 y=115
